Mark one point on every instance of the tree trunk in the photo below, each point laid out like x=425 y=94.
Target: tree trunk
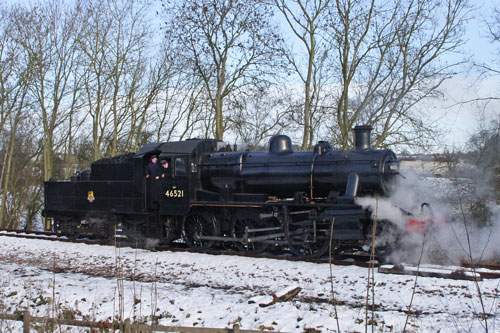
x=48 y=155
x=219 y=120
x=95 y=134
x=308 y=102
x=115 y=120
x=7 y=177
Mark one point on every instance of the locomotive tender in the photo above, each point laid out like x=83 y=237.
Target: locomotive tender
x=248 y=200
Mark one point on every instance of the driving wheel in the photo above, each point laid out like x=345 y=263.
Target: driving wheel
x=199 y=223
x=306 y=244
x=243 y=225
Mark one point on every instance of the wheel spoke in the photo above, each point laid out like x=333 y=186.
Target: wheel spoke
x=304 y=246
x=241 y=222
x=196 y=224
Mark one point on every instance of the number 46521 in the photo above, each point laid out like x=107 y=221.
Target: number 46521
x=175 y=193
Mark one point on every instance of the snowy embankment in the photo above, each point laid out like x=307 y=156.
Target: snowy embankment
x=189 y=289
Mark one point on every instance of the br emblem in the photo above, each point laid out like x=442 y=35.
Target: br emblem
x=90 y=196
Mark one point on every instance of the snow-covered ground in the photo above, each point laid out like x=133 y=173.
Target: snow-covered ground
x=187 y=289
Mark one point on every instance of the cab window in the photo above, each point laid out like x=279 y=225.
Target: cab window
x=180 y=166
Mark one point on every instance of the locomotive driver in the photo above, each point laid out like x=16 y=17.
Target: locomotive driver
x=154 y=169
x=165 y=171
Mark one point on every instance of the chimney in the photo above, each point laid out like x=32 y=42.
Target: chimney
x=362 y=137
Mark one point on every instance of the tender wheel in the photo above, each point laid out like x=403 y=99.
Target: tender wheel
x=74 y=235
x=244 y=220
x=108 y=234
x=133 y=231
x=305 y=245
x=69 y=228
x=104 y=227
x=196 y=224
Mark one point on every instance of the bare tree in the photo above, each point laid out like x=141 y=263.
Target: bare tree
x=14 y=83
x=123 y=74
x=110 y=55
x=258 y=116
x=493 y=27
x=48 y=34
x=391 y=59
x=228 y=43
x=21 y=194
x=492 y=68
x=10 y=82
x=484 y=144
x=126 y=61
x=179 y=107
x=164 y=101
x=484 y=149
x=487 y=71
x=143 y=89
x=306 y=20
x=75 y=121
x=96 y=78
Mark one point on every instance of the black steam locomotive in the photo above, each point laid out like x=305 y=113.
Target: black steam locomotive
x=245 y=200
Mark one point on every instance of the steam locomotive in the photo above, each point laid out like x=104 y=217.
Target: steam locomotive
x=298 y=201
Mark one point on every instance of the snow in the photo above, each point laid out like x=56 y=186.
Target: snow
x=427 y=268
x=28 y=235
x=189 y=289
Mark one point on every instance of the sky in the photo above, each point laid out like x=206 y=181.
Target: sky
x=458 y=120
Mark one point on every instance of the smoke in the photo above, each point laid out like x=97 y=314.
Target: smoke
x=453 y=232
x=151 y=243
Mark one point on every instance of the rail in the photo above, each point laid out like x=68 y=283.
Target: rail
x=486 y=271
x=341 y=260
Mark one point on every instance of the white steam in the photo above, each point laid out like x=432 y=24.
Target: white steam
x=454 y=234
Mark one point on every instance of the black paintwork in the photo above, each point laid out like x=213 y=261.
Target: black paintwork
x=284 y=174
x=203 y=177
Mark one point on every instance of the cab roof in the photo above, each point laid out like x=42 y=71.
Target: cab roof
x=177 y=147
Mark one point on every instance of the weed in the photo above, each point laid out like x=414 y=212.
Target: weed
x=266 y=328
x=67 y=313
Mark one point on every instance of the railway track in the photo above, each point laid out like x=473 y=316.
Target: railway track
x=44 y=235
x=361 y=261
x=487 y=271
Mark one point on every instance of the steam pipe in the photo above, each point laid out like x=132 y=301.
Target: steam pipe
x=352 y=185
